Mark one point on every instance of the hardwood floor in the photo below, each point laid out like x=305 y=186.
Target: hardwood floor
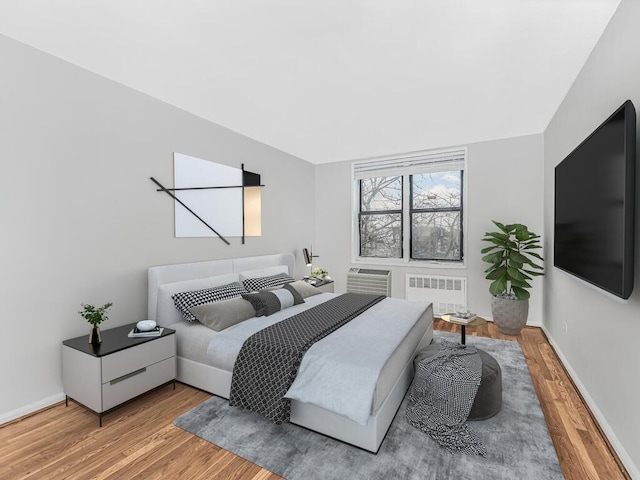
x=139 y=440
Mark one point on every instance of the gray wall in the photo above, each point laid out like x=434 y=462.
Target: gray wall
x=81 y=221
x=600 y=346
x=504 y=183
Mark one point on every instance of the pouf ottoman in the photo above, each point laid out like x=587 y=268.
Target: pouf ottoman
x=488 y=400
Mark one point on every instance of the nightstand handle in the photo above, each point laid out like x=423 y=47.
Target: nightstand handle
x=128 y=375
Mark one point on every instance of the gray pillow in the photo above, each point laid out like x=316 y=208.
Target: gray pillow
x=304 y=289
x=224 y=314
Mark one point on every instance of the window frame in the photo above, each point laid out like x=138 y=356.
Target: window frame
x=382 y=212
x=460 y=209
x=407 y=206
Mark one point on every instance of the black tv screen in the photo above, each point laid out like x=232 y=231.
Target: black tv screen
x=595 y=206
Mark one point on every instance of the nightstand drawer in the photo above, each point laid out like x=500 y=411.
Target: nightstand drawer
x=134 y=358
x=137 y=382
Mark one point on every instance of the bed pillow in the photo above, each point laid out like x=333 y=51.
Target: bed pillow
x=297 y=298
x=166 y=313
x=304 y=289
x=263 y=272
x=224 y=314
x=184 y=301
x=267 y=303
x=260 y=283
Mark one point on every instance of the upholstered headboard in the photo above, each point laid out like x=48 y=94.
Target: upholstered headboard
x=226 y=270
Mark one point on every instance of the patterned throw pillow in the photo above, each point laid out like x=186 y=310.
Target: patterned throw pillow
x=185 y=300
x=257 y=284
x=268 y=303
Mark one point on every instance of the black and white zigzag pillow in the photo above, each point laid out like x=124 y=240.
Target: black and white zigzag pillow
x=257 y=284
x=184 y=301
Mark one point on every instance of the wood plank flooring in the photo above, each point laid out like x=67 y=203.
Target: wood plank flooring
x=139 y=440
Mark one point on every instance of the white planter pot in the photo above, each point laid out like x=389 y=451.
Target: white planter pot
x=509 y=315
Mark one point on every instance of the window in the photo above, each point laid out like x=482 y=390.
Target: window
x=381 y=217
x=411 y=207
x=436 y=215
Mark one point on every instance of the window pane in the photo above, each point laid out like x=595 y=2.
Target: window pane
x=435 y=236
x=381 y=235
x=383 y=193
x=437 y=189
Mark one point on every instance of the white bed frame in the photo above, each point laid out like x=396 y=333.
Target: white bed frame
x=218 y=382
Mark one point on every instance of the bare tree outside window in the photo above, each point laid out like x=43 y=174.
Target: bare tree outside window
x=380 y=218
x=436 y=216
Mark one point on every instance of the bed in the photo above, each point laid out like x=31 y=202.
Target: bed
x=203 y=362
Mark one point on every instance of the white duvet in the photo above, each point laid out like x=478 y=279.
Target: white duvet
x=339 y=373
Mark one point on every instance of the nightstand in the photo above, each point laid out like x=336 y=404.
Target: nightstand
x=104 y=376
x=324 y=285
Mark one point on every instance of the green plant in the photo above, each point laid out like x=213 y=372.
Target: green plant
x=512 y=259
x=95 y=315
x=319 y=272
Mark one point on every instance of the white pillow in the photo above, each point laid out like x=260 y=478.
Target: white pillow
x=264 y=272
x=166 y=312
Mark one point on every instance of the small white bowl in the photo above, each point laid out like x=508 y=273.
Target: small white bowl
x=146 y=325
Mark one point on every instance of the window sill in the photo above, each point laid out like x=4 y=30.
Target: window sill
x=398 y=262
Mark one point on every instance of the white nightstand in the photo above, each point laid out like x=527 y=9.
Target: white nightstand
x=103 y=376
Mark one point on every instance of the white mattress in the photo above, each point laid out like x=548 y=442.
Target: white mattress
x=193 y=340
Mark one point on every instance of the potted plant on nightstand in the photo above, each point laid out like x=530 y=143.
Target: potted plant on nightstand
x=319 y=273
x=95 y=316
x=513 y=264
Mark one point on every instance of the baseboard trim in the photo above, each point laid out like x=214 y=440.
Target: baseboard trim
x=530 y=323
x=31 y=408
x=618 y=448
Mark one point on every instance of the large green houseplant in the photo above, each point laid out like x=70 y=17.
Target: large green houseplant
x=514 y=263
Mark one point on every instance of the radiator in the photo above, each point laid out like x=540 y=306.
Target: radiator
x=366 y=280
x=447 y=294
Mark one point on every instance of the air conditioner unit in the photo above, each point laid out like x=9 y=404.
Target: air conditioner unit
x=366 y=280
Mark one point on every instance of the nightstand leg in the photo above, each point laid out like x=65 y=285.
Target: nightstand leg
x=66 y=400
x=463 y=337
x=100 y=415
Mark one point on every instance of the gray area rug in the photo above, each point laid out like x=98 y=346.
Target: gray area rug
x=517 y=440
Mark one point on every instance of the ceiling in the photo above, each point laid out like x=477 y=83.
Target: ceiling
x=337 y=79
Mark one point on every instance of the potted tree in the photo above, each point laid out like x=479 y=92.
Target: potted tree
x=513 y=264
x=95 y=316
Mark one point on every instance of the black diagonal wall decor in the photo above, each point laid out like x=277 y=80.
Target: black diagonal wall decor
x=249 y=180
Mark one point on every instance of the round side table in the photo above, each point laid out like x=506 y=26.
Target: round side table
x=448 y=317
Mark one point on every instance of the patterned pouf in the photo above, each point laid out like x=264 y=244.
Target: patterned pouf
x=488 y=400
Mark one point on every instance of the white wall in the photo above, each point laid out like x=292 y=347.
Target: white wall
x=81 y=221
x=504 y=184
x=600 y=346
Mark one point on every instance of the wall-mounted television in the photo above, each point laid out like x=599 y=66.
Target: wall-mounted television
x=595 y=206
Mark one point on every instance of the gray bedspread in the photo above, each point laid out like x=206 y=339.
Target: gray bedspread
x=269 y=360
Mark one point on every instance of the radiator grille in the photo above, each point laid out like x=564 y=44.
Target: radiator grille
x=361 y=280
x=447 y=294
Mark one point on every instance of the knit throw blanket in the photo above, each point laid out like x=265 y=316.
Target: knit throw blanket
x=443 y=392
